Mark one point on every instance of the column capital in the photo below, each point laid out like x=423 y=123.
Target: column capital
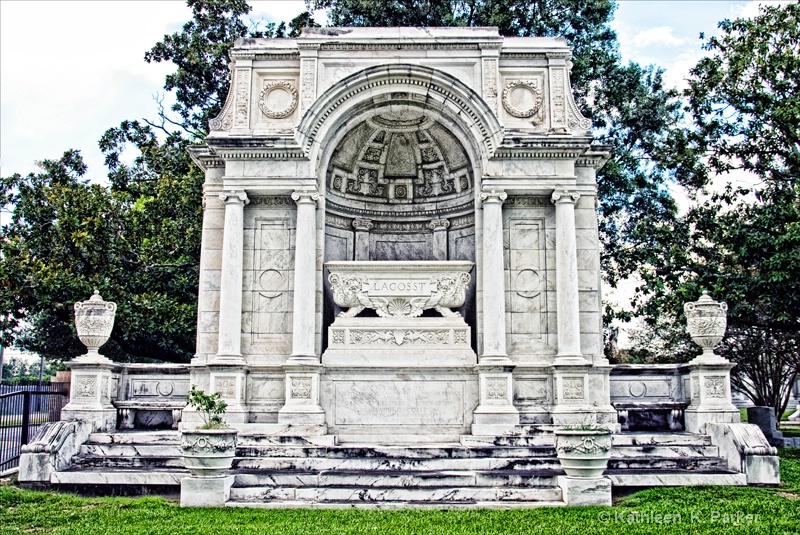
x=562 y=196
x=493 y=196
x=234 y=196
x=363 y=224
x=305 y=196
x=439 y=224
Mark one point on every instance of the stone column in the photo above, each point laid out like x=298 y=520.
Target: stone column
x=567 y=305
x=494 y=292
x=305 y=277
x=302 y=406
x=362 y=226
x=571 y=371
x=495 y=414
x=439 y=228
x=229 y=350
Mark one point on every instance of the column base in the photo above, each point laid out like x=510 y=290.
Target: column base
x=205 y=491
x=302 y=406
x=227 y=360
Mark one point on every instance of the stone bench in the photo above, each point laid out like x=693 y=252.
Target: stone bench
x=649 y=397
x=128 y=409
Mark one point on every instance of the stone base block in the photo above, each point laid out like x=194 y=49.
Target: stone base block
x=304 y=418
x=762 y=469
x=102 y=419
x=585 y=490
x=697 y=420
x=205 y=491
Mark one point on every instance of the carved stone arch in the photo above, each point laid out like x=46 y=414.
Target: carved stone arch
x=429 y=89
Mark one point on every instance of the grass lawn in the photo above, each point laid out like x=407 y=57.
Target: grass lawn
x=683 y=511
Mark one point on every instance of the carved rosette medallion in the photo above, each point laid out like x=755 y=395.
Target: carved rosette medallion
x=715 y=387
x=573 y=388
x=496 y=388
x=278 y=99
x=301 y=388
x=706 y=321
x=527 y=91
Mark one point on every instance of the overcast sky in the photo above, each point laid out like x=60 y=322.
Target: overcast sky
x=69 y=70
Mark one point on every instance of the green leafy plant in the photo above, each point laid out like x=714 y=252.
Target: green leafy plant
x=210 y=406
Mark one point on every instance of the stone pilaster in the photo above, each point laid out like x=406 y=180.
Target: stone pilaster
x=362 y=228
x=303 y=367
x=439 y=228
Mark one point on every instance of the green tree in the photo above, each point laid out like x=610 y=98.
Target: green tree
x=136 y=240
x=742 y=243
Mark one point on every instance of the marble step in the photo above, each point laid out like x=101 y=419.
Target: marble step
x=131 y=450
x=667 y=478
x=402 y=479
x=142 y=462
x=667 y=463
x=660 y=439
x=385 y=464
x=664 y=451
x=394 y=452
x=409 y=494
x=136 y=437
x=386 y=505
x=118 y=477
x=541 y=440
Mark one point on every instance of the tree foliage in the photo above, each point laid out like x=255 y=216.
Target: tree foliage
x=136 y=240
x=742 y=242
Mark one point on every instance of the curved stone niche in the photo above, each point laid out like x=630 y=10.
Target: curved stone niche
x=399 y=161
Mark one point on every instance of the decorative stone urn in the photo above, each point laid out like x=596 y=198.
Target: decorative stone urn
x=583 y=452
x=208 y=453
x=706 y=321
x=94 y=321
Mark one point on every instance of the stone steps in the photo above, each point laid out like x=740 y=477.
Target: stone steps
x=494 y=472
x=387 y=505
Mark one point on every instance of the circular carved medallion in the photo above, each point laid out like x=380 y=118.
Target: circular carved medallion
x=522 y=98
x=278 y=99
x=637 y=389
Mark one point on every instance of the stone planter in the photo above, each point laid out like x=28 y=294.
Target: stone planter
x=208 y=452
x=583 y=453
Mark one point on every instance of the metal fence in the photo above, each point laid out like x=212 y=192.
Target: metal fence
x=23 y=408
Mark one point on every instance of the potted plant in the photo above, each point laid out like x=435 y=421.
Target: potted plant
x=583 y=449
x=208 y=450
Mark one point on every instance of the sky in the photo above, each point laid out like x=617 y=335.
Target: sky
x=69 y=70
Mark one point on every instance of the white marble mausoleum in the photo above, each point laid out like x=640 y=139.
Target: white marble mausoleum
x=351 y=176
x=400 y=301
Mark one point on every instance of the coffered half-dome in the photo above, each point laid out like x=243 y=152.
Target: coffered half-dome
x=400 y=157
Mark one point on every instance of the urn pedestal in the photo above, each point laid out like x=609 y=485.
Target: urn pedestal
x=94 y=378
x=709 y=374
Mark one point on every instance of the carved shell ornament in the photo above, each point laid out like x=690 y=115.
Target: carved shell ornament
x=519 y=86
x=278 y=99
